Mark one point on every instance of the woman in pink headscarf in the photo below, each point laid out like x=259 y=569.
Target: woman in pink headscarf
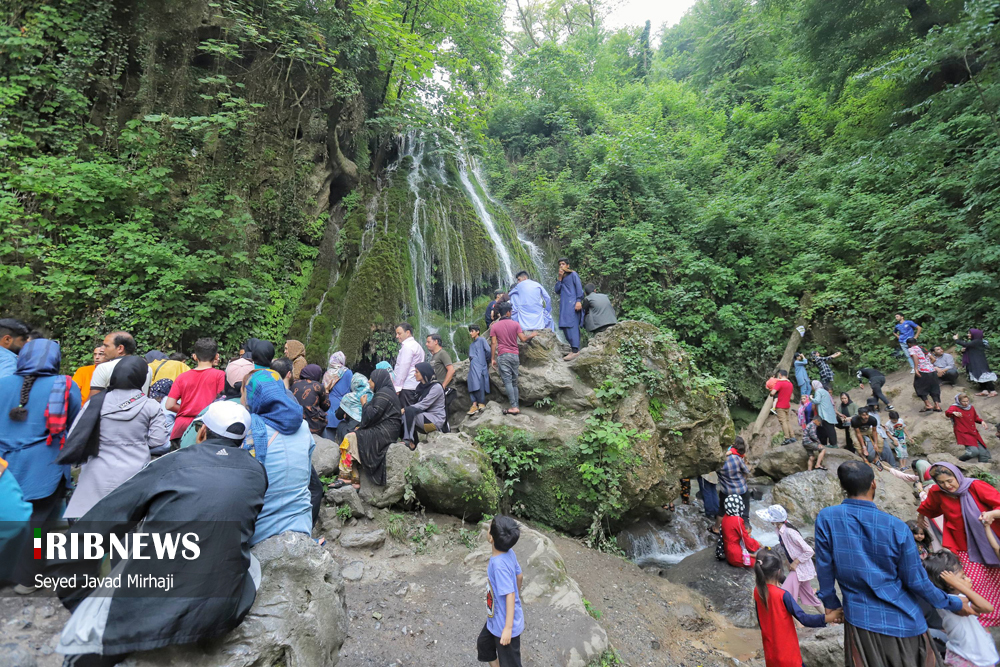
x=974 y=360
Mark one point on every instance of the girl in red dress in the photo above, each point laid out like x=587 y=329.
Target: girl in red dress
x=735 y=544
x=775 y=611
x=969 y=507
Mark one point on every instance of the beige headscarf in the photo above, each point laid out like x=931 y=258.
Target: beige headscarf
x=296 y=351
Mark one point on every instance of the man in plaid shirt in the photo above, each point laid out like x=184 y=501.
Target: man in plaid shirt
x=825 y=372
x=873 y=557
x=733 y=478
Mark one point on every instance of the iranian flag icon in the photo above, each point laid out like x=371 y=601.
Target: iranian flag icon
x=38 y=543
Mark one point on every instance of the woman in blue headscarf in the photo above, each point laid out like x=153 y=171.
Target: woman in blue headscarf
x=280 y=439
x=37 y=405
x=349 y=411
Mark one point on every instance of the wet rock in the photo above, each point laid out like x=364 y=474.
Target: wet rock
x=298 y=618
x=728 y=588
x=684 y=531
x=822 y=647
x=804 y=494
x=326 y=457
x=398 y=459
x=452 y=475
x=354 y=539
x=551 y=592
x=16 y=655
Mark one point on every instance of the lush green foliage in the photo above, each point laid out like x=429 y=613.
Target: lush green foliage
x=770 y=149
x=512 y=452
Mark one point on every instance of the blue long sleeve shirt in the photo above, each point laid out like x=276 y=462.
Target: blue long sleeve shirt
x=873 y=557
x=570 y=291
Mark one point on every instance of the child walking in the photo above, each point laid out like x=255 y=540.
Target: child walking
x=799 y=555
x=499 y=642
x=969 y=645
x=775 y=611
x=898 y=429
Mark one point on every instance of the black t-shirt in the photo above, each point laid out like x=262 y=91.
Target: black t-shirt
x=871 y=374
x=863 y=427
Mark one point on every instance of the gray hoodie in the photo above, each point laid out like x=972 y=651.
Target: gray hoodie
x=131 y=425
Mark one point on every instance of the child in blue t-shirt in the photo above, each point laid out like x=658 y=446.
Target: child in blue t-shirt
x=499 y=643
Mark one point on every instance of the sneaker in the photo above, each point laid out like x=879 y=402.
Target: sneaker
x=913 y=371
x=890 y=408
x=571 y=356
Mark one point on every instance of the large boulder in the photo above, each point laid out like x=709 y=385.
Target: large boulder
x=728 y=588
x=783 y=461
x=298 y=618
x=646 y=383
x=804 y=494
x=550 y=592
x=326 y=457
x=453 y=476
x=822 y=647
x=543 y=375
x=397 y=459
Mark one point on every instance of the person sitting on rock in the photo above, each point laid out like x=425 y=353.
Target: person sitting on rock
x=735 y=545
x=427 y=412
x=212 y=489
x=280 y=439
x=866 y=438
x=349 y=411
x=964 y=419
x=312 y=396
x=598 y=312
x=810 y=442
x=945 y=365
x=367 y=445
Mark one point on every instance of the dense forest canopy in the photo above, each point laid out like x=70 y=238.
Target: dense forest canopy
x=170 y=167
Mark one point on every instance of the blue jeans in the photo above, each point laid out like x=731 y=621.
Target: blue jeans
x=906 y=353
x=509 y=365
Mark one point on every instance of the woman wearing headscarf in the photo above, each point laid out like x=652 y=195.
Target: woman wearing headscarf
x=128 y=425
x=805 y=411
x=974 y=360
x=479 y=370
x=970 y=508
x=823 y=406
x=380 y=426
x=735 y=546
x=350 y=409
x=37 y=404
x=337 y=382
x=427 y=412
x=309 y=392
x=157 y=392
x=296 y=352
x=387 y=367
x=280 y=439
x=964 y=419
x=846 y=411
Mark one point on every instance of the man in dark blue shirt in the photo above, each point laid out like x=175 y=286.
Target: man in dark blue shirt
x=873 y=557
x=904 y=330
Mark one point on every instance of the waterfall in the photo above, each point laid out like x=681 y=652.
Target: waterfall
x=538 y=259
x=420 y=262
x=487 y=220
x=319 y=309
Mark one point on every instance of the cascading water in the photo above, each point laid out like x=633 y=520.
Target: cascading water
x=686 y=533
x=487 y=220
x=316 y=313
x=420 y=260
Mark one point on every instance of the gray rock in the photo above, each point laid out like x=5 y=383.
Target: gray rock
x=728 y=588
x=15 y=655
x=398 y=458
x=822 y=647
x=354 y=571
x=346 y=495
x=298 y=618
x=326 y=457
x=578 y=640
x=372 y=539
x=783 y=461
x=804 y=494
x=453 y=476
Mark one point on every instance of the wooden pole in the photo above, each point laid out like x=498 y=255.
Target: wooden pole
x=786 y=359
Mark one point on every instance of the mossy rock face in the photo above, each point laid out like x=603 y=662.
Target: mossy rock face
x=453 y=476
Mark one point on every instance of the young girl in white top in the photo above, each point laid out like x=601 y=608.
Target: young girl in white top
x=969 y=645
x=799 y=554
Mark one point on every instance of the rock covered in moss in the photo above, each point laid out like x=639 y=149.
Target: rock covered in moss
x=453 y=476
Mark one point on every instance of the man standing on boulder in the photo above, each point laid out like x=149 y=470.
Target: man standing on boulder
x=531 y=305
x=410 y=354
x=504 y=336
x=782 y=391
x=570 y=291
x=873 y=557
x=598 y=312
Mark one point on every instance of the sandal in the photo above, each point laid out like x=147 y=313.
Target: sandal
x=508 y=411
x=669 y=506
x=320 y=541
x=411 y=445
x=983 y=393
x=926 y=410
x=715 y=531
x=340 y=483
x=820 y=468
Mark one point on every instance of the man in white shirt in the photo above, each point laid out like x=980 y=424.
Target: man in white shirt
x=531 y=304
x=117 y=344
x=410 y=354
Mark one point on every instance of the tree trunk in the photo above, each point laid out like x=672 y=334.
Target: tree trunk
x=786 y=359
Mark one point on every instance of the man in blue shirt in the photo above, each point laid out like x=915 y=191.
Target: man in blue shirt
x=873 y=557
x=904 y=330
x=13 y=336
x=570 y=291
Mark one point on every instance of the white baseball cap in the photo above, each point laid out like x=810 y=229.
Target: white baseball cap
x=228 y=419
x=773 y=514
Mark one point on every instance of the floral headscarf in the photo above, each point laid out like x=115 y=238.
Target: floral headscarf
x=351 y=401
x=336 y=368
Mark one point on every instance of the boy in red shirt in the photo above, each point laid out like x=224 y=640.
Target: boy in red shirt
x=782 y=392
x=193 y=391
